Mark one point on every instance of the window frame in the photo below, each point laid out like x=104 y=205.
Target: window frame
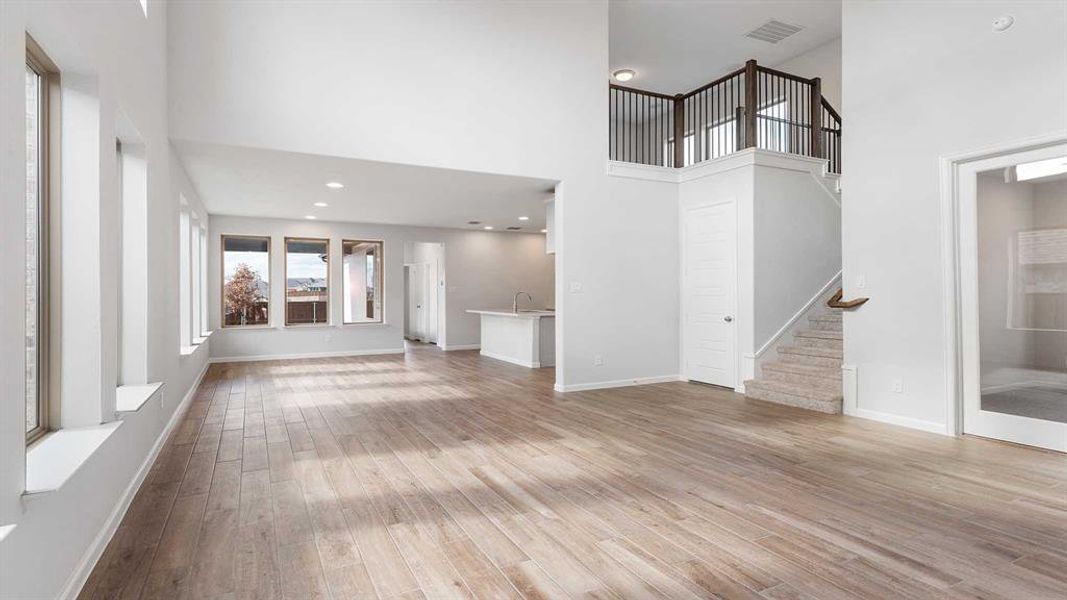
x=47 y=145
x=222 y=280
x=285 y=279
x=379 y=280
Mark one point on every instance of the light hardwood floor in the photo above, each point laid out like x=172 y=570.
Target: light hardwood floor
x=448 y=475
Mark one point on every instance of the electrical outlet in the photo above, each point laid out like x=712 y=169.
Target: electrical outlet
x=598 y=360
x=898 y=386
x=861 y=282
x=576 y=287
x=329 y=338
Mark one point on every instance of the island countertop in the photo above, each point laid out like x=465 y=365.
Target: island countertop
x=522 y=314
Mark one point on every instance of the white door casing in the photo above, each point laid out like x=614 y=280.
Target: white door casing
x=1013 y=428
x=709 y=293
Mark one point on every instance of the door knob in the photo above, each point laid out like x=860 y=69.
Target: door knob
x=728 y=319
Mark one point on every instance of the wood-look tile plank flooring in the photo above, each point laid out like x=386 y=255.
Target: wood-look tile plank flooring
x=449 y=475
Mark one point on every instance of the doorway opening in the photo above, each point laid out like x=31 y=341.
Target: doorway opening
x=424 y=300
x=1011 y=255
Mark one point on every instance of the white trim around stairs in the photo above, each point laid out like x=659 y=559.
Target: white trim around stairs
x=601 y=385
x=103 y=538
x=834 y=282
x=259 y=357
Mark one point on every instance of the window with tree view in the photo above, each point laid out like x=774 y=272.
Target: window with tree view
x=307 y=281
x=245 y=280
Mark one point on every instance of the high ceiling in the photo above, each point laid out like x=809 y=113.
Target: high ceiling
x=677 y=46
x=267 y=183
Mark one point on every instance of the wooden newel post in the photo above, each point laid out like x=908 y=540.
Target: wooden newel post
x=816 y=119
x=679 y=131
x=751 y=102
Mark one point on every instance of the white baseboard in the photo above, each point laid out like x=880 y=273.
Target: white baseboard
x=909 y=422
x=509 y=359
x=600 y=385
x=462 y=347
x=96 y=549
x=259 y=357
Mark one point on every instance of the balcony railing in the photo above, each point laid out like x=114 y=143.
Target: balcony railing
x=789 y=114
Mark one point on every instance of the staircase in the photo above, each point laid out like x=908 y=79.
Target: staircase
x=808 y=372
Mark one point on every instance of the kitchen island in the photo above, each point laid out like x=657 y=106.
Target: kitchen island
x=526 y=337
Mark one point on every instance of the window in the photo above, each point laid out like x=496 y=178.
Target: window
x=773 y=127
x=307 y=281
x=132 y=263
x=245 y=280
x=184 y=284
x=194 y=285
x=40 y=83
x=204 y=325
x=362 y=273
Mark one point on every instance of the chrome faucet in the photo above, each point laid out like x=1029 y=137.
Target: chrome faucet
x=515 y=301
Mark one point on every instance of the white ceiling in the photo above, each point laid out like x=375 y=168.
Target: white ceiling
x=677 y=46
x=267 y=183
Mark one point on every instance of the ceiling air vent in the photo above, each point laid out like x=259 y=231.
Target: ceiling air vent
x=513 y=228
x=773 y=31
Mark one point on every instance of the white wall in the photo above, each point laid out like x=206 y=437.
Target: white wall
x=513 y=88
x=789 y=231
x=824 y=62
x=113 y=63
x=921 y=81
x=482 y=270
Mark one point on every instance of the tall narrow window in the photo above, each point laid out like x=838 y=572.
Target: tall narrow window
x=184 y=267
x=362 y=273
x=204 y=325
x=40 y=80
x=245 y=280
x=133 y=264
x=194 y=284
x=307 y=281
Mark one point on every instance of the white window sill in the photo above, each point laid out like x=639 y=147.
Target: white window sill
x=130 y=398
x=188 y=350
x=249 y=328
x=5 y=530
x=366 y=324
x=53 y=460
x=309 y=326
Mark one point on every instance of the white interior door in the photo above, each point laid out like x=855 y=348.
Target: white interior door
x=710 y=293
x=416 y=302
x=1012 y=299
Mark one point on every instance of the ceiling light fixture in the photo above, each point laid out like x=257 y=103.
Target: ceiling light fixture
x=1003 y=23
x=321 y=204
x=488 y=227
x=335 y=185
x=544 y=231
x=311 y=217
x=1041 y=168
x=624 y=74
x=524 y=218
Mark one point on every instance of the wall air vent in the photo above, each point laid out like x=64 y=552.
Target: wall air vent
x=474 y=222
x=773 y=31
x=513 y=228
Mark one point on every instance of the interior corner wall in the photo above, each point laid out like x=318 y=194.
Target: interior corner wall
x=111 y=45
x=796 y=245
x=921 y=81
x=482 y=270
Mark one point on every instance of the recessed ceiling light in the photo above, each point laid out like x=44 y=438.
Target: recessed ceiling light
x=335 y=185
x=312 y=217
x=624 y=74
x=524 y=218
x=487 y=227
x=544 y=231
x=321 y=204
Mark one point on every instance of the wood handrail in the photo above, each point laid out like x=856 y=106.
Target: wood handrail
x=634 y=90
x=837 y=302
